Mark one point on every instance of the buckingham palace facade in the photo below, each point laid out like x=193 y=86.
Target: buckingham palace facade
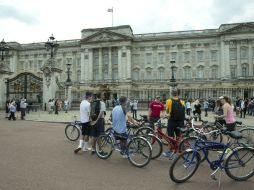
x=114 y=60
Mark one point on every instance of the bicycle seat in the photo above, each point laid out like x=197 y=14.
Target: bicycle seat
x=239 y=122
x=183 y=130
x=235 y=134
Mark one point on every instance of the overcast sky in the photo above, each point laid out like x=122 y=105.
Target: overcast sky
x=27 y=21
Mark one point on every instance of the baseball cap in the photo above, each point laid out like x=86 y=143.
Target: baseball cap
x=221 y=97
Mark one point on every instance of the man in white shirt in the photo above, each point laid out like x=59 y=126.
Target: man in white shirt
x=98 y=127
x=85 y=122
x=66 y=105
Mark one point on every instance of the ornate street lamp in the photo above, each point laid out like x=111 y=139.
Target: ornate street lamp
x=4 y=49
x=51 y=45
x=68 y=81
x=173 y=80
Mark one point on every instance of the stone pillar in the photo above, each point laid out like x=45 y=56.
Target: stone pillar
x=83 y=67
x=49 y=87
x=250 y=60
x=128 y=63
x=120 y=74
x=226 y=61
x=90 y=64
x=2 y=91
x=100 y=64
x=238 y=61
x=109 y=64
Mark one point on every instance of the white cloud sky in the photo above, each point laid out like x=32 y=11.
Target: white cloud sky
x=27 y=21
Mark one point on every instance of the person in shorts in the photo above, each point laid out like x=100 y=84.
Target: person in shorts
x=98 y=126
x=155 y=109
x=85 y=123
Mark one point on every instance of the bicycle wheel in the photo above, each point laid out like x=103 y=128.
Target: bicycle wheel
x=248 y=135
x=72 y=132
x=188 y=143
x=156 y=144
x=144 y=131
x=239 y=165
x=139 y=152
x=184 y=166
x=104 y=146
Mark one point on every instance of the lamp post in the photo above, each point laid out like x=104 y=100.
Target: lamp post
x=4 y=49
x=173 y=80
x=51 y=45
x=68 y=81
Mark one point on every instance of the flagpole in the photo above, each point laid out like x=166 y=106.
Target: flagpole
x=112 y=17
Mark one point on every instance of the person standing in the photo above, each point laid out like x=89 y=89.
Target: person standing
x=7 y=110
x=12 y=108
x=66 y=105
x=56 y=106
x=155 y=109
x=206 y=106
x=98 y=126
x=242 y=109
x=23 y=108
x=188 y=107
x=135 y=108
x=85 y=123
x=197 y=109
x=176 y=110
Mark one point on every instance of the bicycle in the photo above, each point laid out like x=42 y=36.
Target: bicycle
x=138 y=150
x=72 y=130
x=176 y=145
x=229 y=160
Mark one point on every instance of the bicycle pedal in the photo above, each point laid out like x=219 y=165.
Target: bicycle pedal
x=214 y=177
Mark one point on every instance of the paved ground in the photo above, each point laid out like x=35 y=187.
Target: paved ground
x=37 y=156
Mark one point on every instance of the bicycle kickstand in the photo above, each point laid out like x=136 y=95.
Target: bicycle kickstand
x=214 y=173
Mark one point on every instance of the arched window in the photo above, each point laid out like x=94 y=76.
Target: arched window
x=187 y=72
x=200 y=73
x=214 y=72
x=148 y=74
x=135 y=74
x=245 y=70
x=161 y=73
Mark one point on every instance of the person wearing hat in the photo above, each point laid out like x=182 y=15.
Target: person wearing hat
x=228 y=113
x=176 y=110
x=155 y=109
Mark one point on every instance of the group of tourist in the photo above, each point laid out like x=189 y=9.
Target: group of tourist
x=56 y=105
x=244 y=106
x=93 y=109
x=11 y=107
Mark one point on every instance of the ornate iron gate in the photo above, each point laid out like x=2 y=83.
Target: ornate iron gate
x=25 y=85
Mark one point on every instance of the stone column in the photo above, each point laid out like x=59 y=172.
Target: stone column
x=226 y=61
x=238 y=60
x=222 y=48
x=109 y=64
x=100 y=64
x=128 y=63
x=120 y=74
x=83 y=67
x=90 y=64
x=250 y=60
x=2 y=91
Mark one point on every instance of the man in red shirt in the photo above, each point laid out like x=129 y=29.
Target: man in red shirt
x=154 y=111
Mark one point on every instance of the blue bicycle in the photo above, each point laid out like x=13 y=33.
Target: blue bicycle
x=138 y=149
x=238 y=162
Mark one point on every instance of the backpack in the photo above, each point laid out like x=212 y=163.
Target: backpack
x=177 y=110
x=95 y=109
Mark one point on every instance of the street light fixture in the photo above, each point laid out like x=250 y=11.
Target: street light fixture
x=68 y=73
x=4 y=49
x=173 y=80
x=51 y=45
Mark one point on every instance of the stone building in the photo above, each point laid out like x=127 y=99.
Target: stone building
x=208 y=63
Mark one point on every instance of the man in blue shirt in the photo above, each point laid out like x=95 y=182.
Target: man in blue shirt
x=119 y=114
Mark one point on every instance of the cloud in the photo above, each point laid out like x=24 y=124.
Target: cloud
x=7 y=11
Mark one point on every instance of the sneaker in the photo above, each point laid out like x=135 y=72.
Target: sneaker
x=93 y=152
x=167 y=154
x=123 y=153
x=77 y=150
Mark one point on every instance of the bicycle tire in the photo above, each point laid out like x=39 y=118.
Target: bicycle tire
x=156 y=144
x=187 y=157
x=139 y=146
x=235 y=156
x=72 y=132
x=185 y=144
x=248 y=135
x=102 y=141
x=144 y=131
